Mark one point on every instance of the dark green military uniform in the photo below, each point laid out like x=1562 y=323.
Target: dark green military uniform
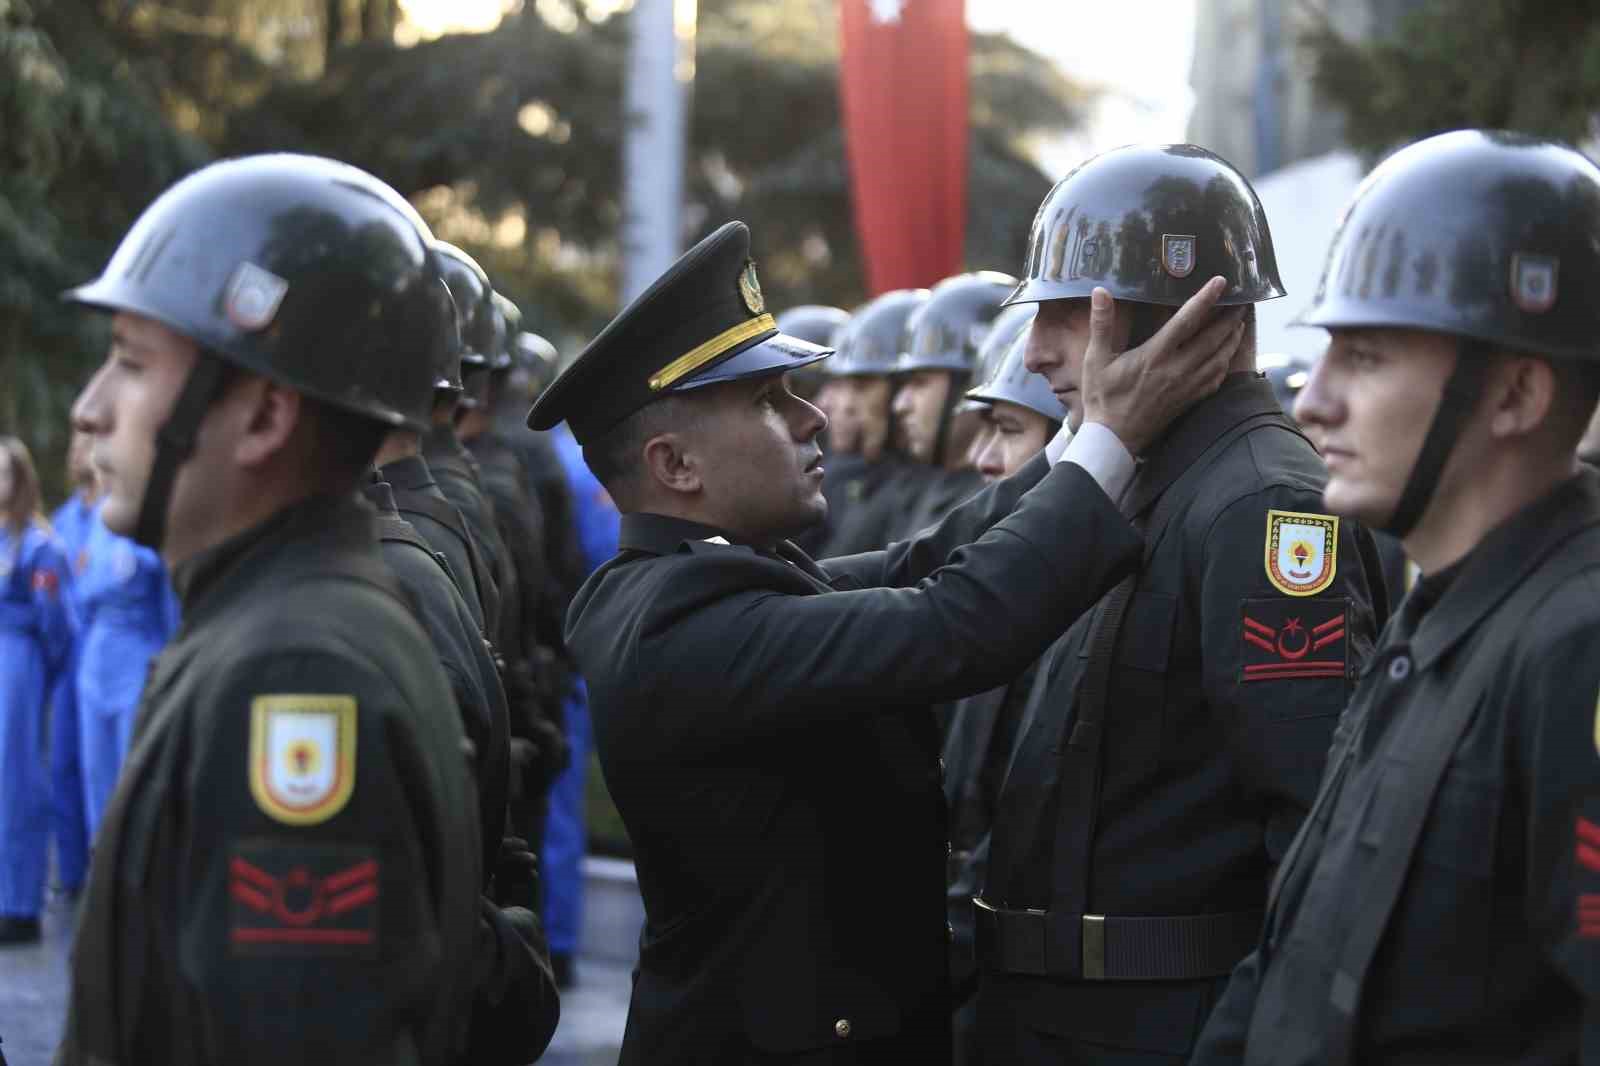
x=764 y=722
x=455 y=472
x=285 y=872
x=1441 y=902
x=1165 y=822
x=420 y=502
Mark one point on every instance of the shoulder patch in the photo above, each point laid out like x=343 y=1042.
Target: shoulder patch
x=1282 y=640
x=298 y=898
x=1302 y=551
x=302 y=756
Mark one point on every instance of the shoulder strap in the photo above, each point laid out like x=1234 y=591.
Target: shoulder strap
x=445 y=513
x=1416 y=788
x=396 y=530
x=1078 y=803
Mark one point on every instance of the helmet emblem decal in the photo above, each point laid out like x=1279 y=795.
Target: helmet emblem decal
x=750 y=289
x=1177 y=254
x=253 y=297
x=1533 y=282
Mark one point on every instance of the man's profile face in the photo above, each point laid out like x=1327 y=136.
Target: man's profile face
x=844 y=428
x=1057 y=343
x=919 y=405
x=125 y=404
x=1014 y=435
x=864 y=405
x=761 y=471
x=1369 y=404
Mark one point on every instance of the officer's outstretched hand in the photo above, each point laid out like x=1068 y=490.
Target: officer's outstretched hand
x=1137 y=393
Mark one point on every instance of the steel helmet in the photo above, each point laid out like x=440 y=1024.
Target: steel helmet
x=1002 y=374
x=948 y=330
x=1482 y=234
x=873 y=339
x=1151 y=224
x=474 y=299
x=301 y=269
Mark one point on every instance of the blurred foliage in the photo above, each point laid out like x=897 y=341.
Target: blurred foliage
x=1528 y=65
x=508 y=141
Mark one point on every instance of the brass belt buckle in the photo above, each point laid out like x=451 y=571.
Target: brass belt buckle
x=1094 y=947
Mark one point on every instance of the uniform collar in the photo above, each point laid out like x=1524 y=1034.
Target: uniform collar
x=410 y=472
x=662 y=534
x=1503 y=560
x=1243 y=395
x=203 y=579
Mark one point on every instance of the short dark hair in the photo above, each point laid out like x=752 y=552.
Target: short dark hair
x=1577 y=395
x=613 y=457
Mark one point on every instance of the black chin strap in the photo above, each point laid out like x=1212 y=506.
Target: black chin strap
x=174 y=445
x=1456 y=404
x=959 y=379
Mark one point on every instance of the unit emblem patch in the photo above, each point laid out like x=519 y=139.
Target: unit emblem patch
x=1533 y=282
x=1302 y=554
x=302 y=756
x=1177 y=254
x=1283 y=640
x=296 y=898
x=253 y=297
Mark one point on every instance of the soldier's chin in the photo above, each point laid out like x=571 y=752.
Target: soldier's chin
x=119 y=515
x=1349 y=499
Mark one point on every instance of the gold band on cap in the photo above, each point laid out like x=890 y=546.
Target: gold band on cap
x=687 y=364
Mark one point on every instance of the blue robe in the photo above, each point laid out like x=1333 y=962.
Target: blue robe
x=71 y=523
x=129 y=613
x=35 y=648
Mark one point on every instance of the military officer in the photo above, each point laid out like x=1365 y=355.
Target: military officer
x=725 y=667
x=1174 y=736
x=1439 y=904
x=943 y=338
x=868 y=499
x=288 y=869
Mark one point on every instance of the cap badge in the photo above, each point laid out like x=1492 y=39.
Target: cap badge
x=253 y=297
x=1302 y=551
x=1177 y=254
x=750 y=289
x=1533 y=282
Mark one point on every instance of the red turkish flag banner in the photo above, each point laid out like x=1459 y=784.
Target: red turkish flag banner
x=903 y=84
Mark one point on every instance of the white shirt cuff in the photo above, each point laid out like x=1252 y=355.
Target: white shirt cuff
x=1102 y=455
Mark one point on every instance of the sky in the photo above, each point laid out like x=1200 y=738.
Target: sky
x=1137 y=50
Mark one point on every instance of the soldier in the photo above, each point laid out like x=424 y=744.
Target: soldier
x=35 y=650
x=452 y=466
x=1022 y=416
x=535 y=693
x=289 y=866
x=1439 y=904
x=871 y=499
x=943 y=338
x=1174 y=736
x=726 y=667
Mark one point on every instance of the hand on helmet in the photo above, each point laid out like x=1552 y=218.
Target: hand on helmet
x=1137 y=393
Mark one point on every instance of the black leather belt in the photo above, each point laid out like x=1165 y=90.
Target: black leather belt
x=1095 y=947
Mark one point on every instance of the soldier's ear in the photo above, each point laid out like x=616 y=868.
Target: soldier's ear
x=669 y=465
x=266 y=416
x=1521 y=394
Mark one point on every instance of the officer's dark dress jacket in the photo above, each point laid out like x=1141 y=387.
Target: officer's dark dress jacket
x=1220 y=699
x=763 y=725
x=224 y=925
x=413 y=485
x=1491 y=951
